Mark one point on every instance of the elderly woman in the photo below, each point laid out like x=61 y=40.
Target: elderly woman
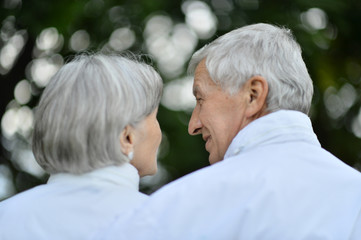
x=96 y=133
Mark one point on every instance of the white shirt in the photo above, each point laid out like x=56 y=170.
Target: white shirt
x=71 y=206
x=276 y=182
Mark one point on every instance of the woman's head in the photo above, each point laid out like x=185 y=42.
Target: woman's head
x=87 y=106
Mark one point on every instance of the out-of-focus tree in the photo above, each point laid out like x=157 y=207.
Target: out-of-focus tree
x=38 y=36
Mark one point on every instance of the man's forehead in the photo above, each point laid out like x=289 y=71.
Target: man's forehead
x=199 y=77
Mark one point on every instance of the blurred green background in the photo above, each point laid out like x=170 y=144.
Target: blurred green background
x=38 y=36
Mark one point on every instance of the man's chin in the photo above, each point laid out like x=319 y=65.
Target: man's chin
x=212 y=160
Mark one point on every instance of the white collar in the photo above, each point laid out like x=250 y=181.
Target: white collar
x=125 y=175
x=282 y=125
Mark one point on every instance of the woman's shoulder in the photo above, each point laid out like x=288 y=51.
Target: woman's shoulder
x=21 y=204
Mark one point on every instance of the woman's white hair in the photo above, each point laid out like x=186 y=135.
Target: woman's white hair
x=264 y=50
x=86 y=106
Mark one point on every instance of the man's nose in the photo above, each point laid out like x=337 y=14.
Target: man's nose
x=195 y=124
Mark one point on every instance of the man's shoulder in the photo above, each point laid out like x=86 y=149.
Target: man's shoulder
x=195 y=178
x=208 y=181
x=251 y=168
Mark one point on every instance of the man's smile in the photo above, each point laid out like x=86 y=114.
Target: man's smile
x=207 y=139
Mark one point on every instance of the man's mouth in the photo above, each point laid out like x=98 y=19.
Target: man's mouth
x=207 y=139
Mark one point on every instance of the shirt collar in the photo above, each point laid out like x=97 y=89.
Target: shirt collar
x=279 y=126
x=125 y=175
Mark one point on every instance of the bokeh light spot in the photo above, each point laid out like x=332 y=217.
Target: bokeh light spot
x=7 y=187
x=170 y=45
x=11 y=4
x=122 y=39
x=10 y=52
x=9 y=123
x=339 y=102
x=79 y=41
x=200 y=18
x=222 y=5
x=158 y=25
x=178 y=95
x=17 y=120
x=49 y=39
x=42 y=69
x=24 y=159
x=356 y=125
x=314 y=18
x=22 y=92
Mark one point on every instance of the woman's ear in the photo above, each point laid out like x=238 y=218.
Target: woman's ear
x=127 y=140
x=257 y=90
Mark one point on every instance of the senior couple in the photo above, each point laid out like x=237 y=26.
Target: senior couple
x=96 y=133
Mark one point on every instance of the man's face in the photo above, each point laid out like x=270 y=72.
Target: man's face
x=218 y=116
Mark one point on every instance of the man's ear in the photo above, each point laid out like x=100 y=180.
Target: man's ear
x=127 y=140
x=257 y=90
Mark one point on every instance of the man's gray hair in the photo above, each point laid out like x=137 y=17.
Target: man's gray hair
x=264 y=50
x=86 y=106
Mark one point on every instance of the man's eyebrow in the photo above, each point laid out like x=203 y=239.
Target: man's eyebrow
x=195 y=90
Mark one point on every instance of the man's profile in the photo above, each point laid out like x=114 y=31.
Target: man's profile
x=270 y=178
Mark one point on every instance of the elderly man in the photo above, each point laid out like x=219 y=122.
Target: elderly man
x=269 y=177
